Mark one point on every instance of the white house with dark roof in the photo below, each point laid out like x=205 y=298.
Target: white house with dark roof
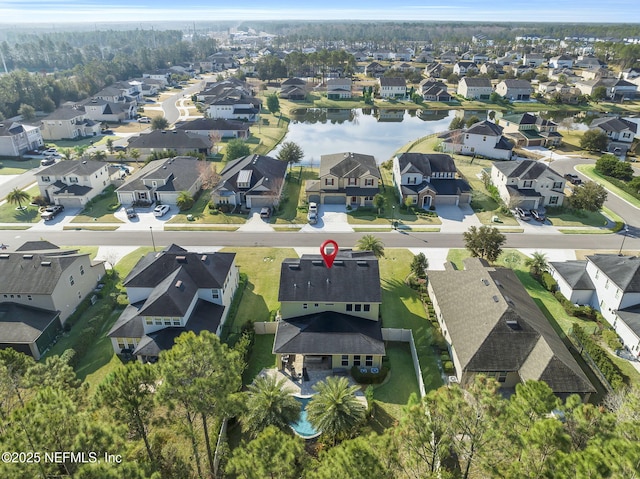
x=429 y=179
x=475 y=88
x=500 y=332
x=434 y=90
x=525 y=129
x=329 y=317
x=98 y=109
x=608 y=283
x=73 y=183
x=208 y=126
x=620 y=132
x=483 y=139
x=338 y=88
x=462 y=68
x=561 y=61
x=251 y=181
x=68 y=122
x=514 y=90
x=528 y=184
x=177 y=141
x=345 y=178
x=171 y=292
x=17 y=138
x=162 y=181
x=392 y=87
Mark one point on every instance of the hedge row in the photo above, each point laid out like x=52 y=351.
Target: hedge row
x=583 y=312
x=608 y=368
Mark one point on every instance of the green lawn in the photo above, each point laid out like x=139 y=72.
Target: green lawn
x=17 y=167
x=9 y=213
x=294 y=196
x=401 y=382
x=590 y=171
x=570 y=217
x=101 y=208
x=260 y=357
x=202 y=215
x=126 y=264
x=402 y=308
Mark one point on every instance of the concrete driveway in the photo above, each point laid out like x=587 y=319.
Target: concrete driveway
x=255 y=223
x=145 y=218
x=331 y=219
x=456 y=219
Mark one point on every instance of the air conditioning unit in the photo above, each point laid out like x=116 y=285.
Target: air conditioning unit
x=452 y=380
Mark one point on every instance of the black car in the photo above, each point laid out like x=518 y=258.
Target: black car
x=537 y=215
x=119 y=148
x=573 y=179
x=131 y=213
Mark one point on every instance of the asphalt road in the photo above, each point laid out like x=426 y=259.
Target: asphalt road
x=293 y=239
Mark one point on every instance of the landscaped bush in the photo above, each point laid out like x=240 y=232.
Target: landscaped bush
x=608 y=368
x=610 y=338
x=548 y=282
x=448 y=367
x=225 y=208
x=369 y=377
x=584 y=312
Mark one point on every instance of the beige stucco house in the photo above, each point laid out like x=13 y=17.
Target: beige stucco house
x=528 y=184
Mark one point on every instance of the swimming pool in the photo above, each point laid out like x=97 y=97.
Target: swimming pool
x=303 y=427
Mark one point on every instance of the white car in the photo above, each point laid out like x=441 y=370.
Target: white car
x=313 y=208
x=161 y=210
x=144 y=119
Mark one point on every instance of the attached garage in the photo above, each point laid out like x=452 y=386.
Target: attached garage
x=528 y=204
x=334 y=200
x=259 y=201
x=446 y=200
x=72 y=202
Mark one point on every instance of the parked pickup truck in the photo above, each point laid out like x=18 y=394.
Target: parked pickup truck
x=573 y=179
x=51 y=212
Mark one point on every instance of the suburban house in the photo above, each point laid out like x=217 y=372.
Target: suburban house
x=434 y=70
x=526 y=129
x=429 y=179
x=463 y=68
x=374 y=69
x=176 y=141
x=219 y=89
x=215 y=126
x=434 y=90
x=43 y=276
x=171 y=292
x=621 y=133
x=514 y=90
x=251 y=181
x=329 y=317
x=448 y=57
x=528 y=184
x=73 y=183
x=338 y=88
x=162 y=181
x=233 y=105
x=589 y=63
x=161 y=75
x=17 y=138
x=491 y=69
x=533 y=60
x=501 y=332
x=121 y=92
x=608 y=283
x=483 y=138
x=68 y=122
x=392 y=87
x=293 y=92
x=475 y=88
x=109 y=111
x=561 y=61
x=345 y=178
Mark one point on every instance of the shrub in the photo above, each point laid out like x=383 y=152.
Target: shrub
x=548 y=282
x=448 y=367
x=600 y=357
x=611 y=339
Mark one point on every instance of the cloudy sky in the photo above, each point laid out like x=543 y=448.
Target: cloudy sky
x=100 y=11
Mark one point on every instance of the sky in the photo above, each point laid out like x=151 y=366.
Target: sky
x=101 y=11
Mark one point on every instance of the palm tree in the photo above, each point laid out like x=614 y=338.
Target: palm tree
x=335 y=410
x=121 y=156
x=66 y=153
x=17 y=196
x=269 y=404
x=135 y=154
x=99 y=155
x=537 y=263
x=371 y=243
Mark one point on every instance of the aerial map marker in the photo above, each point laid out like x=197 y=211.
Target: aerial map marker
x=329 y=257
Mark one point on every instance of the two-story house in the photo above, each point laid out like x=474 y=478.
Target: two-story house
x=374 y=69
x=621 y=133
x=429 y=179
x=345 y=178
x=514 y=90
x=499 y=331
x=475 y=88
x=608 y=283
x=561 y=61
x=162 y=181
x=18 y=138
x=533 y=60
x=209 y=127
x=233 y=105
x=163 y=76
x=122 y=92
x=338 y=88
x=251 y=181
x=73 y=183
x=330 y=317
x=463 y=68
x=528 y=184
x=172 y=292
x=100 y=110
x=483 y=138
x=434 y=90
x=531 y=130
x=41 y=285
x=68 y=122
x=176 y=141
x=392 y=87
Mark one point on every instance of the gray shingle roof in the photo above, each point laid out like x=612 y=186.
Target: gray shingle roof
x=212 y=124
x=180 y=172
x=265 y=171
x=484 y=128
x=426 y=163
x=498 y=327
x=525 y=169
x=476 y=82
x=73 y=167
x=392 y=81
x=348 y=164
x=169 y=139
x=354 y=277
x=129 y=323
x=631 y=317
x=33 y=273
x=328 y=333
x=519 y=84
x=574 y=273
x=21 y=324
x=624 y=271
x=614 y=124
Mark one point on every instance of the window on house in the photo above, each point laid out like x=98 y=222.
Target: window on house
x=167 y=322
x=345 y=360
x=349 y=307
x=176 y=321
x=557 y=185
x=367 y=307
x=617 y=293
x=46 y=179
x=606 y=284
x=368 y=360
x=81 y=270
x=148 y=321
x=553 y=200
x=29 y=297
x=79 y=295
x=501 y=376
x=358 y=307
x=215 y=294
x=328 y=181
x=466 y=137
x=356 y=360
x=305 y=306
x=527 y=184
x=368 y=182
x=158 y=321
x=73 y=179
x=71 y=281
x=597 y=274
x=484 y=138
x=315 y=305
x=352 y=181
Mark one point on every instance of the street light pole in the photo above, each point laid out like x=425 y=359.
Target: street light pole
x=624 y=237
x=152 y=242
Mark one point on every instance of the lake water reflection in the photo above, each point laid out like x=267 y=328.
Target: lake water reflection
x=321 y=131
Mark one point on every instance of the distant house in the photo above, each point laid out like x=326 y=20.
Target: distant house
x=533 y=60
x=514 y=90
x=163 y=76
x=621 y=133
x=339 y=88
x=67 y=123
x=252 y=181
x=345 y=178
x=374 y=69
x=475 y=88
x=527 y=130
x=528 y=184
x=121 y=92
x=561 y=61
x=212 y=126
x=293 y=82
x=429 y=179
x=108 y=111
x=501 y=333
x=162 y=181
x=434 y=90
x=329 y=317
x=483 y=138
x=176 y=141
x=434 y=70
x=588 y=63
x=172 y=292
x=463 y=68
x=610 y=284
x=448 y=57
x=293 y=92
x=392 y=87
x=17 y=138
x=73 y=183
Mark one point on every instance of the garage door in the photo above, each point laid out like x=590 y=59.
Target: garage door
x=527 y=204
x=258 y=201
x=314 y=198
x=335 y=200
x=70 y=202
x=446 y=200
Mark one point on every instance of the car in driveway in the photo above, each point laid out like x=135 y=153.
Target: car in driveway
x=523 y=214
x=47 y=161
x=265 y=212
x=50 y=152
x=537 y=215
x=144 y=119
x=161 y=210
x=119 y=148
x=573 y=179
x=312 y=215
x=131 y=213
x=50 y=212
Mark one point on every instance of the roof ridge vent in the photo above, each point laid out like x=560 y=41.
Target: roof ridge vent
x=496 y=299
x=179 y=284
x=485 y=281
x=27 y=256
x=203 y=258
x=181 y=259
x=45 y=263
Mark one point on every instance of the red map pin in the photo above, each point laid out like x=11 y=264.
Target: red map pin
x=329 y=257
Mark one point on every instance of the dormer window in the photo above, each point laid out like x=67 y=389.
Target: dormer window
x=352 y=181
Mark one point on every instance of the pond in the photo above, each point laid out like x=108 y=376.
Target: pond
x=371 y=131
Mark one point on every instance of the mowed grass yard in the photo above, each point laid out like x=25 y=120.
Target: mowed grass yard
x=17 y=167
x=101 y=208
x=203 y=215
x=9 y=213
